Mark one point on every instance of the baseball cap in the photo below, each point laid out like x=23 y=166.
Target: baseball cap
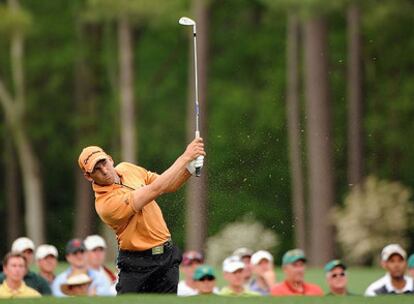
x=44 y=250
x=391 y=249
x=190 y=256
x=334 y=263
x=203 y=271
x=90 y=156
x=78 y=279
x=243 y=252
x=260 y=255
x=75 y=245
x=410 y=261
x=94 y=241
x=292 y=256
x=232 y=263
x=21 y=244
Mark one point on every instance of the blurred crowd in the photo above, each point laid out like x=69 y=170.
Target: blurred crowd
x=245 y=272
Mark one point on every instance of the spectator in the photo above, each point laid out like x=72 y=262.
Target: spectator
x=245 y=255
x=410 y=264
x=191 y=260
x=205 y=280
x=96 y=253
x=46 y=257
x=75 y=255
x=294 y=266
x=77 y=285
x=336 y=278
x=393 y=260
x=15 y=268
x=263 y=269
x=233 y=273
x=26 y=247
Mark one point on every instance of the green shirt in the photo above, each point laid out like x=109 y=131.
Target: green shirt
x=226 y=291
x=34 y=281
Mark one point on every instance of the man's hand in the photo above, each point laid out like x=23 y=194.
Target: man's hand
x=194 y=154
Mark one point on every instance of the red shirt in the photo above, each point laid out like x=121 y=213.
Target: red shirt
x=285 y=289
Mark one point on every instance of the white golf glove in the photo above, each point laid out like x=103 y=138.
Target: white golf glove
x=196 y=163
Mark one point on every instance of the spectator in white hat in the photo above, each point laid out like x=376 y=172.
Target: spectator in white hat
x=25 y=247
x=233 y=273
x=263 y=269
x=96 y=253
x=46 y=257
x=393 y=260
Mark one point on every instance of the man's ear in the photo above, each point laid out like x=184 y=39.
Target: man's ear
x=384 y=264
x=87 y=176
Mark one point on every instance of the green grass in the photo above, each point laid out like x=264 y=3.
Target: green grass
x=156 y=299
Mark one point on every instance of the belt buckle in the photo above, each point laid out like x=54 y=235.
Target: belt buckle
x=158 y=250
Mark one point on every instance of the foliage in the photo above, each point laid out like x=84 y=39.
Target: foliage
x=14 y=20
x=247 y=163
x=138 y=12
x=375 y=214
x=243 y=233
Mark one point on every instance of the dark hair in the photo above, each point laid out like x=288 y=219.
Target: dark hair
x=13 y=254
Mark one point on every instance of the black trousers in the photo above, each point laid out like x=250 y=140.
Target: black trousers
x=143 y=272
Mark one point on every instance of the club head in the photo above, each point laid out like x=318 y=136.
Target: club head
x=186 y=21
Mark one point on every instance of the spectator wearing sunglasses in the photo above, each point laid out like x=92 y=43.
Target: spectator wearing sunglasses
x=205 y=280
x=336 y=278
x=76 y=257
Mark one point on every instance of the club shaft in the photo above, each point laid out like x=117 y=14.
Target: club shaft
x=197 y=108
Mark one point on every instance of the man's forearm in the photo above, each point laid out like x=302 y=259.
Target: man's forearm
x=174 y=177
x=169 y=181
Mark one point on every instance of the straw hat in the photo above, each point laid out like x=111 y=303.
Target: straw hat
x=78 y=279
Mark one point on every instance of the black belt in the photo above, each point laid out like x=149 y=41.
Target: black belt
x=160 y=249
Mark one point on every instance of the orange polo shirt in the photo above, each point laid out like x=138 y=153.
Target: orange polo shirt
x=136 y=231
x=284 y=289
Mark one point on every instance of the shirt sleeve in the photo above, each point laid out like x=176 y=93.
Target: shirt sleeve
x=116 y=209
x=151 y=176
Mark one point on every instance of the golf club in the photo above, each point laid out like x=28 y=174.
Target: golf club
x=187 y=21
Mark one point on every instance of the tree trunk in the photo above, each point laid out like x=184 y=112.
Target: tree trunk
x=196 y=195
x=126 y=83
x=355 y=140
x=32 y=183
x=12 y=188
x=29 y=164
x=294 y=130
x=319 y=141
x=85 y=101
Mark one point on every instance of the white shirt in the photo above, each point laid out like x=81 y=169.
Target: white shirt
x=184 y=290
x=384 y=286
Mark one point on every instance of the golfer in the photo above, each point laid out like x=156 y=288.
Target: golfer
x=125 y=201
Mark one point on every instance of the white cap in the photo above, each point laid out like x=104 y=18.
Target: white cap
x=260 y=255
x=21 y=244
x=232 y=263
x=391 y=249
x=44 y=250
x=94 y=241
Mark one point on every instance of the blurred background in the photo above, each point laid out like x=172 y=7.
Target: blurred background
x=306 y=110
